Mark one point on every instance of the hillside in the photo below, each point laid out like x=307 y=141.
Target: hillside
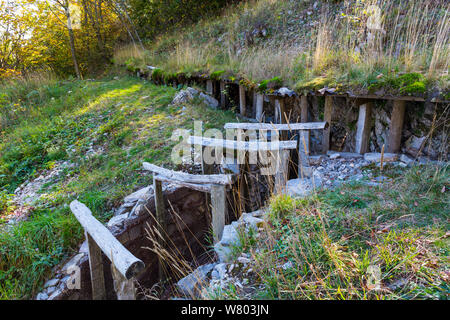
x=82 y=108
x=397 y=48
x=81 y=140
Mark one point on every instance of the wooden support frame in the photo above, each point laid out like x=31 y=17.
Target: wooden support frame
x=396 y=126
x=214 y=184
x=99 y=240
x=363 y=127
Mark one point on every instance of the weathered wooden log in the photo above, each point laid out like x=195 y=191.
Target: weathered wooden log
x=189 y=178
x=279 y=111
x=273 y=126
x=242 y=145
x=194 y=186
x=127 y=264
x=363 y=128
x=396 y=126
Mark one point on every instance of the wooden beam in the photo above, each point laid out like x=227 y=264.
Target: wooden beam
x=124 y=261
x=273 y=126
x=327 y=118
x=242 y=102
x=242 y=145
x=189 y=178
x=396 y=126
x=96 y=269
x=160 y=220
x=363 y=128
x=194 y=186
x=259 y=107
x=218 y=210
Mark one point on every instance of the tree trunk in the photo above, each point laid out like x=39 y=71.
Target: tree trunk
x=71 y=39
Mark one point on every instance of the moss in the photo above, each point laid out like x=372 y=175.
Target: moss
x=216 y=75
x=316 y=83
x=248 y=83
x=270 y=84
x=416 y=87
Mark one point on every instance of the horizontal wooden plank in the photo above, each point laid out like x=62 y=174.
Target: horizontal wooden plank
x=242 y=145
x=278 y=127
x=184 y=177
x=127 y=264
x=194 y=186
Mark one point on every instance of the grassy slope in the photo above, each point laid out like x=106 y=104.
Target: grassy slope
x=331 y=239
x=128 y=119
x=312 y=44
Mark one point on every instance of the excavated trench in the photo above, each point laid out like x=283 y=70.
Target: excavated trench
x=188 y=213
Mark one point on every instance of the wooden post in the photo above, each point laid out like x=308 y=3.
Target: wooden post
x=279 y=111
x=242 y=102
x=395 y=130
x=254 y=101
x=160 y=220
x=259 y=107
x=327 y=118
x=128 y=265
x=218 y=210
x=282 y=172
x=125 y=289
x=223 y=102
x=209 y=87
x=363 y=128
x=96 y=269
x=304 y=141
x=206 y=167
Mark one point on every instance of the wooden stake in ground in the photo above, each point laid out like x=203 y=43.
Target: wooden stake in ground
x=327 y=118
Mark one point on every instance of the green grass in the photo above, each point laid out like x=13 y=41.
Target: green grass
x=128 y=120
x=333 y=239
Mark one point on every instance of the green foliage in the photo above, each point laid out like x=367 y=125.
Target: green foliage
x=270 y=84
x=325 y=246
x=105 y=129
x=154 y=17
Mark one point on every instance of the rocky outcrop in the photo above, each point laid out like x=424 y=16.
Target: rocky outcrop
x=187 y=95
